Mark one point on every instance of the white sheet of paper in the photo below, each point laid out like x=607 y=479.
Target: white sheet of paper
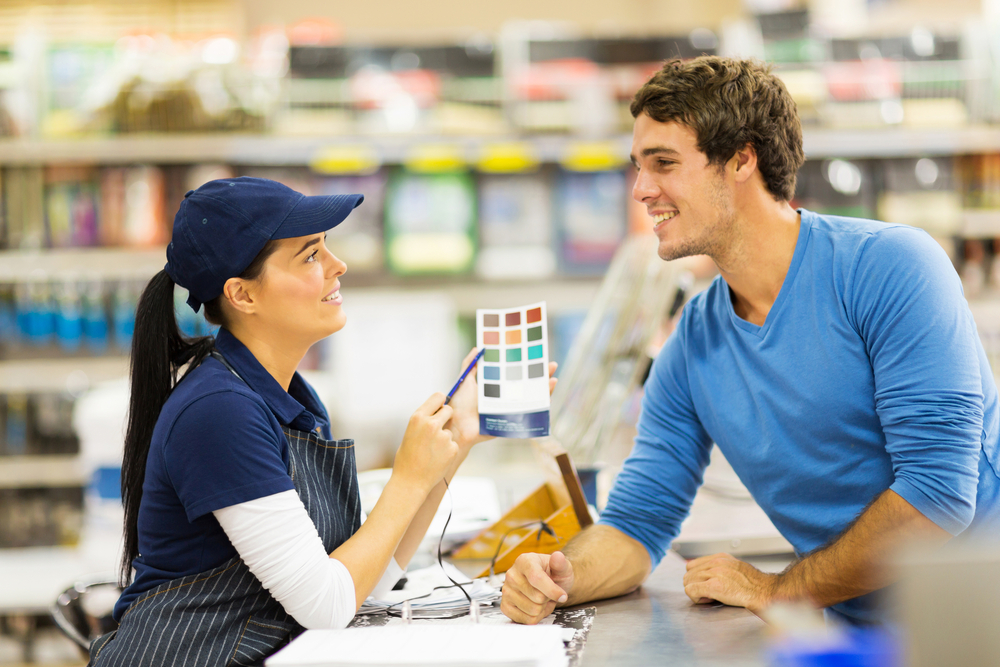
x=449 y=645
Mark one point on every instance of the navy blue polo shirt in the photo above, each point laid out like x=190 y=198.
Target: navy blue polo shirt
x=217 y=442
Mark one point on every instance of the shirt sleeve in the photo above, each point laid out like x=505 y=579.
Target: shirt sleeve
x=223 y=450
x=654 y=491
x=280 y=545
x=908 y=306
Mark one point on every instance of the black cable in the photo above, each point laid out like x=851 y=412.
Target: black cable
x=455 y=584
x=543 y=528
x=451 y=499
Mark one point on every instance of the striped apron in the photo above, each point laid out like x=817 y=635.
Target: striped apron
x=225 y=616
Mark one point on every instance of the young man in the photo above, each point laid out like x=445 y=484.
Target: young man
x=834 y=362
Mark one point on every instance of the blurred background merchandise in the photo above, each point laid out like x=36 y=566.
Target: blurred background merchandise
x=491 y=144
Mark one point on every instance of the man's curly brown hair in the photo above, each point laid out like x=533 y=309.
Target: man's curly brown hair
x=730 y=104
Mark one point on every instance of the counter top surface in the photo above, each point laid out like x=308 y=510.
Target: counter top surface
x=658 y=625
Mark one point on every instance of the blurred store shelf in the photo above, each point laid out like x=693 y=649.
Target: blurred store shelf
x=57 y=375
x=258 y=149
x=25 y=472
x=900 y=142
x=80 y=263
x=983 y=223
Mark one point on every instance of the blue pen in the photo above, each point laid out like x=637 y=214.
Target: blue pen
x=459 y=383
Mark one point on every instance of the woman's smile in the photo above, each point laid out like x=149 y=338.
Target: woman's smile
x=334 y=296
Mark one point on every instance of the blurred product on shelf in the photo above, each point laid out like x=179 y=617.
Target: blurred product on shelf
x=24 y=208
x=69 y=315
x=584 y=86
x=980 y=181
x=83 y=206
x=430 y=223
x=919 y=79
x=37 y=424
x=515 y=227
x=836 y=187
x=921 y=192
x=152 y=83
x=40 y=517
x=15 y=442
x=590 y=218
x=447 y=89
x=41 y=318
x=975 y=272
x=70 y=206
x=979 y=188
x=98 y=418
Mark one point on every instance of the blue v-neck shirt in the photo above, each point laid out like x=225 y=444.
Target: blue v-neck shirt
x=868 y=374
x=218 y=442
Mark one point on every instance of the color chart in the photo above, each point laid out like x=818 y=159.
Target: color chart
x=513 y=374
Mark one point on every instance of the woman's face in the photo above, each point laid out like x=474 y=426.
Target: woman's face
x=297 y=296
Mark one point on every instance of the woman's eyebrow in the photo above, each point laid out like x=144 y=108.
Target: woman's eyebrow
x=308 y=243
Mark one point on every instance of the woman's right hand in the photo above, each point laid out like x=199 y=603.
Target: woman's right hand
x=428 y=448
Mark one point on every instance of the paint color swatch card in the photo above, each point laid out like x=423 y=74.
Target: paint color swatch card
x=513 y=374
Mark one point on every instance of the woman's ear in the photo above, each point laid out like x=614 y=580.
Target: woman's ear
x=239 y=295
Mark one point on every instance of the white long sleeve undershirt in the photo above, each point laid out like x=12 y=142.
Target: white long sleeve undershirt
x=280 y=545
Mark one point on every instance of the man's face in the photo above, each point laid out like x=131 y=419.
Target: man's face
x=689 y=202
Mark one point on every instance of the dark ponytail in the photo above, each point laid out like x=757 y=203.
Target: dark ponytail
x=159 y=351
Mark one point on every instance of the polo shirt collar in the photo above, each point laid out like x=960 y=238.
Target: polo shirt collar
x=287 y=410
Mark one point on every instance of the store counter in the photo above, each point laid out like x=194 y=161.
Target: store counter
x=658 y=625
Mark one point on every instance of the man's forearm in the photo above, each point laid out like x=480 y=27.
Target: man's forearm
x=855 y=564
x=606 y=563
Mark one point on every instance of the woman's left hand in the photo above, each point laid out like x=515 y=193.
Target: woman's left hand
x=464 y=423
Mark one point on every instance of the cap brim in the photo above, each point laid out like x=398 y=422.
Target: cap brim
x=313 y=215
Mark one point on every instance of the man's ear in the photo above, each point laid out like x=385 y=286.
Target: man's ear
x=239 y=295
x=745 y=161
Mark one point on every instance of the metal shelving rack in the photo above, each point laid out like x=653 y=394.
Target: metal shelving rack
x=275 y=150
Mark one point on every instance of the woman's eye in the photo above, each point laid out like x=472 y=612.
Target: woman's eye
x=312 y=257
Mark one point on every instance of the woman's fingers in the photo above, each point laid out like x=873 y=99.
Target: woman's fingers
x=468 y=358
x=442 y=416
x=432 y=404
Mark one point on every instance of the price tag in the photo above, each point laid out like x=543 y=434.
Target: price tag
x=435 y=158
x=592 y=156
x=507 y=158
x=346 y=159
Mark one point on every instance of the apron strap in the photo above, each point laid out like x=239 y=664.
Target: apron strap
x=222 y=360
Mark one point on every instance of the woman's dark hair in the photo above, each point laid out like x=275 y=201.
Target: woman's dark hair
x=159 y=352
x=730 y=104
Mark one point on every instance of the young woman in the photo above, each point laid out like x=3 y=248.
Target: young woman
x=242 y=514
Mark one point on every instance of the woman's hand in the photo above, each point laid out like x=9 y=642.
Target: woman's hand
x=464 y=422
x=428 y=450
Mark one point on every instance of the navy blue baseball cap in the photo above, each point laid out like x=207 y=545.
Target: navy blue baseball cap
x=221 y=227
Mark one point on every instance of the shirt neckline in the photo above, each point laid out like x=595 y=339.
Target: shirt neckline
x=286 y=408
x=805 y=227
